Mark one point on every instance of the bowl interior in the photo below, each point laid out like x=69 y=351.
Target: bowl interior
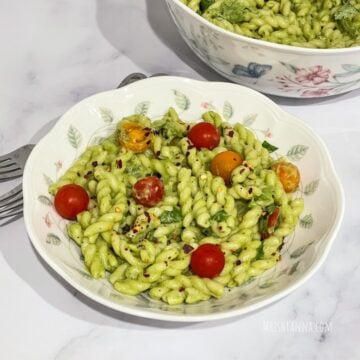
x=94 y=118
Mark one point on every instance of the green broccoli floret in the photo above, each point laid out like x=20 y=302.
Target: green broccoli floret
x=344 y=16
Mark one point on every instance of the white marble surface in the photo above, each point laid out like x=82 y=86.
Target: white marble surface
x=54 y=53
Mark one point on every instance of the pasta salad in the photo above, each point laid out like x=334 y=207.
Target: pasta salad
x=179 y=211
x=305 y=23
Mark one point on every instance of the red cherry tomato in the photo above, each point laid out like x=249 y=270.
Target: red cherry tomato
x=204 y=135
x=207 y=261
x=71 y=200
x=273 y=218
x=148 y=191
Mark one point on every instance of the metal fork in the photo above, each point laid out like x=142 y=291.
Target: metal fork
x=12 y=165
x=11 y=205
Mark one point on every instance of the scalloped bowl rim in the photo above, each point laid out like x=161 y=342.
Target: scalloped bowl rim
x=330 y=236
x=267 y=44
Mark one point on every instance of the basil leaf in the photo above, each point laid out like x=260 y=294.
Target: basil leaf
x=260 y=252
x=207 y=232
x=220 y=216
x=169 y=217
x=263 y=224
x=204 y=4
x=270 y=209
x=234 y=11
x=269 y=147
x=265 y=199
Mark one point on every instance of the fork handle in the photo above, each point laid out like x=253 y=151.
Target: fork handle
x=131 y=78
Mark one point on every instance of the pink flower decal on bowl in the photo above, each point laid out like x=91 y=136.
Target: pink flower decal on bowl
x=317 y=81
x=313 y=75
x=315 y=92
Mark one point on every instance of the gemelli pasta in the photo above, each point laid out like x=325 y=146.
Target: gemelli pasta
x=304 y=23
x=145 y=241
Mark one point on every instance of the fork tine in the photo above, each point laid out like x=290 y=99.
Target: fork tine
x=16 y=216
x=5 y=158
x=7 y=164
x=11 y=193
x=12 y=213
x=10 y=174
x=13 y=206
x=6 y=170
x=10 y=200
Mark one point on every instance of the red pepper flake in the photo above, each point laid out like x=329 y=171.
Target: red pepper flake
x=177 y=164
x=126 y=249
x=119 y=164
x=94 y=163
x=187 y=248
x=250 y=190
x=148 y=142
x=146 y=275
x=147 y=134
x=273 y=254
x=181 y=289
x=231 y=133
x=238 y=262
x=134 y=231
x=242 y=170
x=264 y=235
x=88 y=175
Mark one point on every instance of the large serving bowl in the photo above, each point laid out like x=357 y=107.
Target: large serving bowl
x=268 y=67
x=95 y=117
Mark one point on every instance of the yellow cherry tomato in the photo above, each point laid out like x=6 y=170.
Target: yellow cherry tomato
x=288 y=174
x=224 y=163
x=135 y=137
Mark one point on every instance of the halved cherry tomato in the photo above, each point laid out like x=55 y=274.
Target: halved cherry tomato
x=71 y=200
x=135 y=137
x=224 y=163
x=207 y=261
x=288 y=174
x=148 y=191
x=273 y=218
x=204 y=135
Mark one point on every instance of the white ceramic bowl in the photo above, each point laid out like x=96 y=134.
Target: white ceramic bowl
x=96 y=116
x=268 y=67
